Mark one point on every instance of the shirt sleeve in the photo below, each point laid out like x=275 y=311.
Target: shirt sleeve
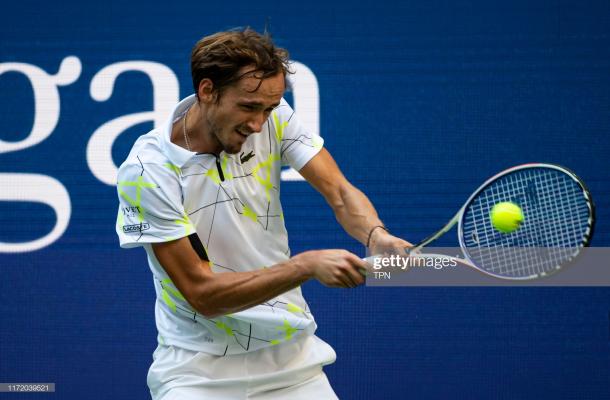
x=150 y=205
x=297 y=144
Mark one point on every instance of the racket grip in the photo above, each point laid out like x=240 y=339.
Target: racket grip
x=370 y=260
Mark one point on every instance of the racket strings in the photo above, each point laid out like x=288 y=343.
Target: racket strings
x=557 y=220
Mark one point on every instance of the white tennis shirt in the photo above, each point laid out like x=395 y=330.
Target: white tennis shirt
x=233 y=204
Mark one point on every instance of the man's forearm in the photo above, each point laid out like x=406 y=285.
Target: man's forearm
x=226 y=293
x=355 y=212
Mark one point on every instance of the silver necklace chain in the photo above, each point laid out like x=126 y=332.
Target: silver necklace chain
x=186 y=137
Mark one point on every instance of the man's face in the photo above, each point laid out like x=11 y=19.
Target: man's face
x=241 y=111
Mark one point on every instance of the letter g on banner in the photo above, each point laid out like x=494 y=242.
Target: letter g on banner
x=33 y=187
x=38 y=189
x=46 y=98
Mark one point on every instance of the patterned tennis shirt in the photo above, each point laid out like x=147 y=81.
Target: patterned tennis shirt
x=232 y=203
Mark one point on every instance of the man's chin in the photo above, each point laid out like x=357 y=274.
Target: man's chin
x=233 y=149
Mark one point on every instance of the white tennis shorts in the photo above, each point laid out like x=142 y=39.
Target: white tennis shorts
x=291 y=370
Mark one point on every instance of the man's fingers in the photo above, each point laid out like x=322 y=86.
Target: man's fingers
x=354 y=275
x=338 y=268
x=346 y=280
x=358 y=269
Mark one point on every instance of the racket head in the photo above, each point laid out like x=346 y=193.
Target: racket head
x=559 y=218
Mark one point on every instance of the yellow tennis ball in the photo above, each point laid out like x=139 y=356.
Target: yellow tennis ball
x=506 y=217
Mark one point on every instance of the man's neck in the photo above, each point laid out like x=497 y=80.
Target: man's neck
x=195 y=136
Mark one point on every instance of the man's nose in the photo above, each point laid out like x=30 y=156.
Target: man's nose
x=255 y=124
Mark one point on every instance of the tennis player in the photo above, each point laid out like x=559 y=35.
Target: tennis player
x=201 y=194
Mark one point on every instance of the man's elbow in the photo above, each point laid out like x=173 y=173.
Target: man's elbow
x=203 y=301
x=210 y=312
x=204 y=308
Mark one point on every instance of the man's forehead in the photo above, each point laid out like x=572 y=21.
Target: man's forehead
x=271 y=87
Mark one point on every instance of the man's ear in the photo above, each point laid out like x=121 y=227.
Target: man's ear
x=206 y=92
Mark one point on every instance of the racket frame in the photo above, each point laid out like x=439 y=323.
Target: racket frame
x=459 y=217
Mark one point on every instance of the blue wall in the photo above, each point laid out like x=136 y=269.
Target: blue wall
x=419 y=102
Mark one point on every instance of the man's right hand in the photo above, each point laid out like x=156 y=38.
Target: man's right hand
x=333 y=268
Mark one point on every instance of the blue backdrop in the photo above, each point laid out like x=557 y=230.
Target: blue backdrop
x=419 y=102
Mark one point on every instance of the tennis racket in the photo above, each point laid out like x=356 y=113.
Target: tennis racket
x=559 y=218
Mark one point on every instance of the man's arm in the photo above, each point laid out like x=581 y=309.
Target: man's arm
x=352 y=208
x=213 y=294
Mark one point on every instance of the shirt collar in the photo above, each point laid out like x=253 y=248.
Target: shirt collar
x=176 y=154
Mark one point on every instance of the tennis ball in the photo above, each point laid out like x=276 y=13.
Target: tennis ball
x=506 y=217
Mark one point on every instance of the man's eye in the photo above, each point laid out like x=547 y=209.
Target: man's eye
x=247 y=107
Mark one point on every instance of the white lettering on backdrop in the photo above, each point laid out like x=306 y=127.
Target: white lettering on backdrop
x=26 y=187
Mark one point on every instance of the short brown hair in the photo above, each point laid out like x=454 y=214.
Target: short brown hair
x=221 y=56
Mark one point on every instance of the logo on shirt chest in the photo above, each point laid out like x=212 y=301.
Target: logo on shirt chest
x=244 y=158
